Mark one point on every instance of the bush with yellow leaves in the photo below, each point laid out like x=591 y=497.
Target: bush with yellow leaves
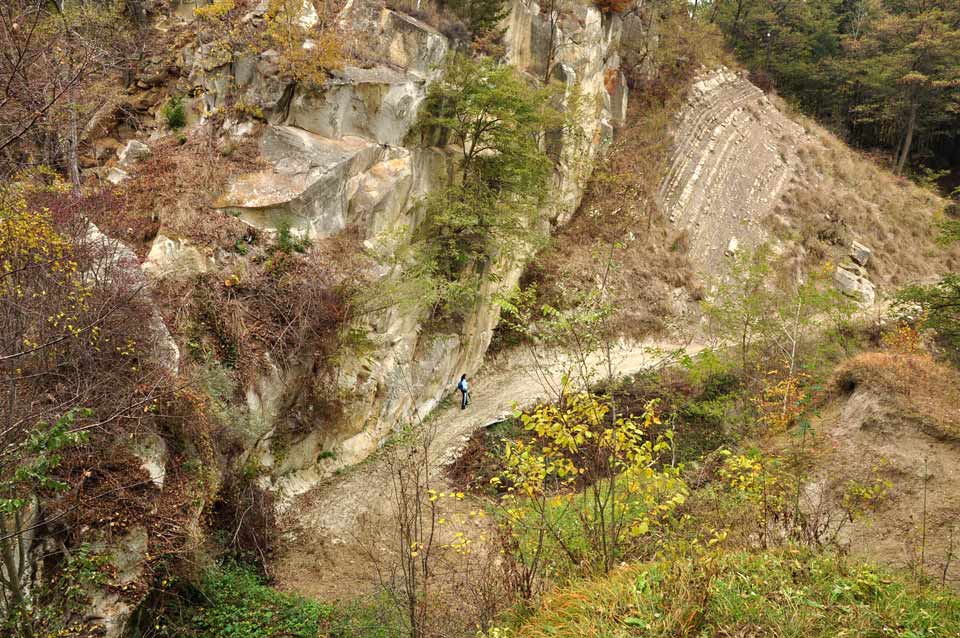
x=585 y=487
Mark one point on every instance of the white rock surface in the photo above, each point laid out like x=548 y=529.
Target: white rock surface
x=336 y=158
x=134 y=151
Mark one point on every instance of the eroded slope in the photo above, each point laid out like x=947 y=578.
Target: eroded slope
x=734 y=156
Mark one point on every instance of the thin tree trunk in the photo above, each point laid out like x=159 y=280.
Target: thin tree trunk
x=73 y=142
x=908 y=139
x=736 y=24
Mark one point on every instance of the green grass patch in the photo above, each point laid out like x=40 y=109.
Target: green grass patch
x=232 y=601
x=788 y=593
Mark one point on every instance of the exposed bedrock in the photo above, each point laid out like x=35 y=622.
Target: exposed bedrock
x=340 y=157
x=734 y=155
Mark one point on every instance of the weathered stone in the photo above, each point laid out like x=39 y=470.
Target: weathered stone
x=379 y=104
x=412 y=45
x=852 y=267
x=307 y=15
x=109 y=254
x=134 y=151
x=855 y=286
x=859 y=253
x=151 y=449
x=108 y=609
x=169 y=256
x=105 y=146
x=732 y=246
x=728 y=167
x=308 y=186
x=117 y=175
x=639 y=26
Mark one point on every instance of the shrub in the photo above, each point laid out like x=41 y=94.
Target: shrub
x=586 y=484
x=174 y=114
x=939 y=309
x=287 y=243
x=237 y=604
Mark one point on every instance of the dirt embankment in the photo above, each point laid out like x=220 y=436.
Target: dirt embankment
x=897 y=417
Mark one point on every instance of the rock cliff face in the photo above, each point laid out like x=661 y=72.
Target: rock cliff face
x=734 y=156
x=340 y=157
x=743 y=171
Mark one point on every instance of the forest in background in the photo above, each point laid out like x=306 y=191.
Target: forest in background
x=883 y=74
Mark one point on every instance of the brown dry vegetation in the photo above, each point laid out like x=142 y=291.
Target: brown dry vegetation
x=268 y=305
x=918 y=387
x=178 y=183
x=619 y=217
x=843 y=195
x=105 y=360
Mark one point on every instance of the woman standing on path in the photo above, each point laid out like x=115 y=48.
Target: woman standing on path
x=465 y=389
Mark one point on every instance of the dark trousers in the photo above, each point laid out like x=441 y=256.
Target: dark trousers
x=465 y=399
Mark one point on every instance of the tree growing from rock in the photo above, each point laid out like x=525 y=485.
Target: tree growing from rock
x=490 y=210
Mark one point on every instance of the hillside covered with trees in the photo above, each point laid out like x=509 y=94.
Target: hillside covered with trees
x=883 y=74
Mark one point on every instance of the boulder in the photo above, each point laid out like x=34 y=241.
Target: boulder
x=854 y=285
x=859 y=253
x=170 y=255
x=134 y=151
x=732 y=246
x=151 y=449
x=117 y=175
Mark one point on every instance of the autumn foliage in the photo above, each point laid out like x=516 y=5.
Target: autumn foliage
x=614 y=6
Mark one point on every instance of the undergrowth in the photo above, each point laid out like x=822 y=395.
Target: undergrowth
x=231 y=601
x=786 y=593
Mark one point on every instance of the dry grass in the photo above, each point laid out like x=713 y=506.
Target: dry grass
x=843 y=195
x=919 y=387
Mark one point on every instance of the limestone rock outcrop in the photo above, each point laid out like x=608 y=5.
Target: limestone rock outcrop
x=851 y=275
x=734 y=156
x=340 y=157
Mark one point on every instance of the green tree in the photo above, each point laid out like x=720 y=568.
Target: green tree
x=33 y=474
x=586 y=483
x=884 y=73
x=911 y=62
x=489 y=212
x=481 y=16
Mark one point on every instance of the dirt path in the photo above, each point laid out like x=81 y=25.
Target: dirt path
x=326 y=542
